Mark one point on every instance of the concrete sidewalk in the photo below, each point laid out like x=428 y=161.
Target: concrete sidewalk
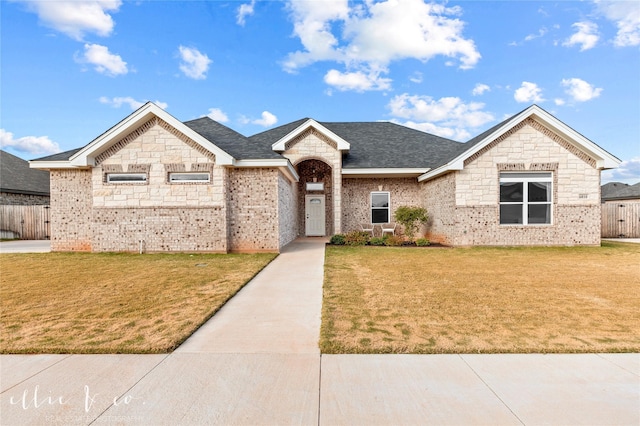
x=25 y=246
x=257 y=362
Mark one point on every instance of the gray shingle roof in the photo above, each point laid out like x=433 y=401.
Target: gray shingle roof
x=61 y=156
x=16 y=176
x=620 y=191
x=238 y=146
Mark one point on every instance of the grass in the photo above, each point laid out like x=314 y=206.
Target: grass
x=114 y=303
x=482 y=300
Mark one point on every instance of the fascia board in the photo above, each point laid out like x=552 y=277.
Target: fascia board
x=85 y=157
x=385 y=171
x=279 y=146
x=48 y=165
x=282 y=164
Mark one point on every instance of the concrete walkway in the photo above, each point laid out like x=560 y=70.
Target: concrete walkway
x=25 y=246
x=256 y=362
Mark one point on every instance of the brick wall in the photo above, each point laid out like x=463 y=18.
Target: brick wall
x=71 y=210
x=439 y=197
x=253 y=209
x=356 y=198
x=11 y=199
x=287 y=210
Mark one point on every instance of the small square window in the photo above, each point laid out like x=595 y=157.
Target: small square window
x=189 y=177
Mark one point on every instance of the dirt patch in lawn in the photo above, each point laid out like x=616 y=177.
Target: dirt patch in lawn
x=114 y=303
x=482 y=300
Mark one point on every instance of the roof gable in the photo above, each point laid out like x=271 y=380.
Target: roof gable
x=602 y=159
x=86 y=156
x=281 y=144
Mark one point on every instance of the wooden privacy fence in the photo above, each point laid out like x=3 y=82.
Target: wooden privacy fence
x=621 y=220
x=25 y=222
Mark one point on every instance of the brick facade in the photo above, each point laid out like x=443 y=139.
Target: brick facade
x=439 y=197
x=356 y=196
x=71 y=210
x=287 y=211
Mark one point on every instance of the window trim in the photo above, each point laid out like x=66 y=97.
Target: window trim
x=388 y=208
x=525 y=178
x=172 y=181
x=142 y=181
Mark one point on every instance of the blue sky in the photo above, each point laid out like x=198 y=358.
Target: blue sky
x=72 y=69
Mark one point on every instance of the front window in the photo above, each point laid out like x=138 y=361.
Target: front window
x=188 y=177
x=380 y=207
x=126 y=177
x=525 y=198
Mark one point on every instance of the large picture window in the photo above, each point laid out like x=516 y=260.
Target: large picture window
x=525 y=198
x=380 y=207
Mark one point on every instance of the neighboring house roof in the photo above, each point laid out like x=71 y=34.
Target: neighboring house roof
x=16 y=177
x=622 y=191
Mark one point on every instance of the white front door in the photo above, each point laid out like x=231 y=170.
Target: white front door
x=314 y=214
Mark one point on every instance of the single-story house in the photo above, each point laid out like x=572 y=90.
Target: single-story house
x=21 y=185
x=155 y=183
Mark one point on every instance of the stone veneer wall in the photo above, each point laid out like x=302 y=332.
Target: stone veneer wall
x=439 y=197
x=356 y=198
x=528 y=147
x=313 y=145
x=11 y=199
x=253 y=202
x=71 y=211
x=287 y=210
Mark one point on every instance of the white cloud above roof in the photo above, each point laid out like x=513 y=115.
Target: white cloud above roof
x=37 y=145
x=76 y=18
x=103 y=61
x=626 y=16
x=448 y=117
x=375 y=34
x=480 y=89
x=245 y=10
x=194 y=64
x=357 y=81
x=267 y=119
x=580 y=90
x=218 y=115
x=528 y=92
x=586 y=36
x=628 y=171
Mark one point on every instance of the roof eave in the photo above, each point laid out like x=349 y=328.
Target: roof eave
x=283 y=164
x=49 y=165
x=384 y=172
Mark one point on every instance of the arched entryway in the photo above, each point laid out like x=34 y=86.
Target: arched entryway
x=315 y=197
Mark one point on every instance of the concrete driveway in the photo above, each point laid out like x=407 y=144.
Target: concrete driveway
x=257 y=362
x=25 y=246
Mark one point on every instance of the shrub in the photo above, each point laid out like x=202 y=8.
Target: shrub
x=376 y=241
x=393 y=240
x=422 y=242
x=411 y=218
x=338 y=240
x=357 y=238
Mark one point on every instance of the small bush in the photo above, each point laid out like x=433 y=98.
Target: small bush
x=357 y=238
x=411 y=218
x=338 y=240
x=423 y=242
x=376 y=241
x=393 y=240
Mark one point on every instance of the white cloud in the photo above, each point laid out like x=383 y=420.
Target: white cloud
x=627 y=172
x=357 y=81
x=586 y=36
x=373 y=34
x=528 y=92
x=448 y=117
x=245 y=10
x=559 y=101
x=194 y=63
x=416 y=77
x=117 y=102
x=218 y=115
x=267 y=119
x=74 y=17
x=541 y=32
x=480 y=89
x=626 y=15
x=103 y=61
x=580 y=90
x=29 y=144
